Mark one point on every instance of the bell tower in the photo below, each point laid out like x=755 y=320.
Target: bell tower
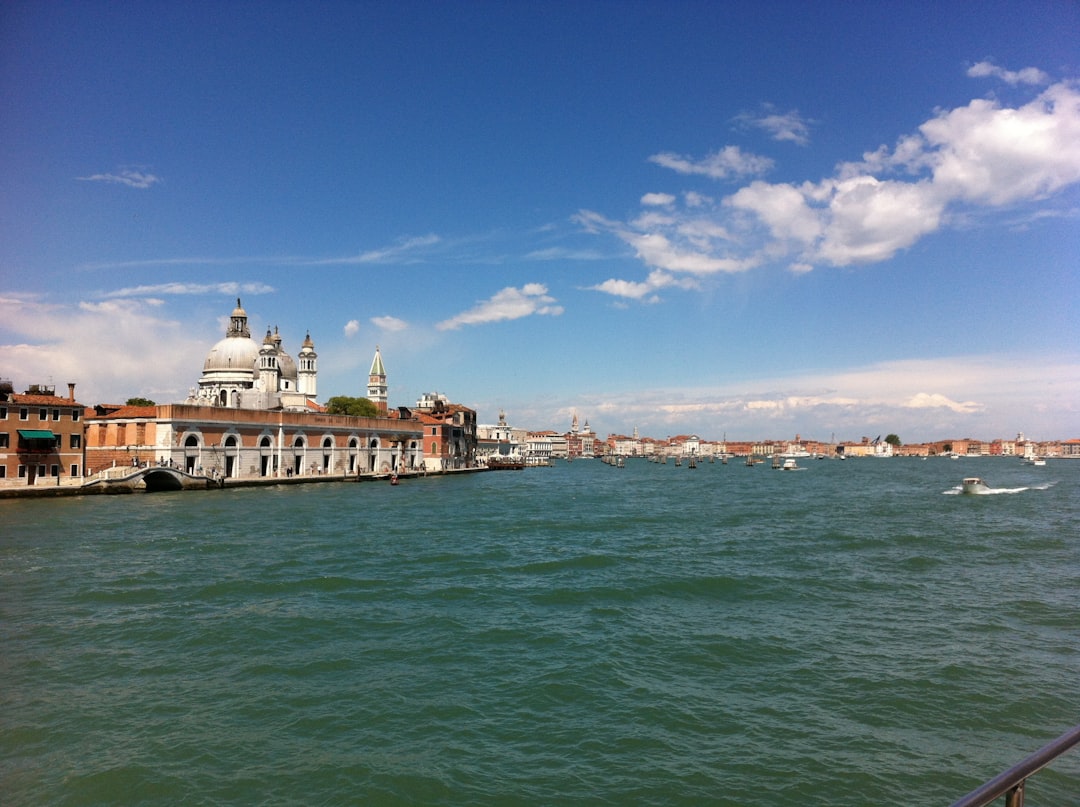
x=376 y=387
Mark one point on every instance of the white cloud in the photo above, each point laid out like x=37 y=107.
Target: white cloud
x=728 y=162
x=985 y=396
x=786 y=126
x=981 y=155
x=1029 y=75
x=352 y=328
x=112 y=349
x=389 y=323
x=657 y=199
x=510 y=303
x=232 y=289
x=126 y=176
x=935 y=400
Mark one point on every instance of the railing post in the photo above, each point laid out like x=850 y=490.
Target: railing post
x=1015 y=797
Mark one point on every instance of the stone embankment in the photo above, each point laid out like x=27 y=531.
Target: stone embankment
x=156 y=479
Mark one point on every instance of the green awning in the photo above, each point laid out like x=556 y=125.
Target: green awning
x=36 y=434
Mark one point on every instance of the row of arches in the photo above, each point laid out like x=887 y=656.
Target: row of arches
x=297 y=455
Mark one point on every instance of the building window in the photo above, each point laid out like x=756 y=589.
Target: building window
x=3 y=413
x=4 y=438
x=22 y=472
x=3 y=472
x=75 y=469
x=24 y=413
x=74 y=414
x=76 y=441
x=43 y=414
x=54 y=470
x=56 y=414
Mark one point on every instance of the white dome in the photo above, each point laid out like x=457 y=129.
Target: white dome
x=232 y=354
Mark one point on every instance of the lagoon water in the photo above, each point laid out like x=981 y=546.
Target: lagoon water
x=852 y=634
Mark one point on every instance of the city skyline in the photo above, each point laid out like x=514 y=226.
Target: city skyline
x=688 y=218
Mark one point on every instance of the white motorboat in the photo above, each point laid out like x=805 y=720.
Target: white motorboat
x=790 y=465
x=974 y=485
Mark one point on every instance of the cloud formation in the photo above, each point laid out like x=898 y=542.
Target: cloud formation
x=980 y=156
x=231 y=289
x=728 y=162
x=126 y=176
x=352 y=328
x=1029 y=75
x=919 y=399
x=783 y=126
x=392 y=324
x=510 y=303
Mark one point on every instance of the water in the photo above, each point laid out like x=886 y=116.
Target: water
x=853 y=634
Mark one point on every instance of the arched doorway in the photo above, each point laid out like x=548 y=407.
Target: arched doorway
x=191 y=453
x=354 y=447
x=267 y=461
x=231 y=456
x=298 y=456
x=373 y=454
x=327 y=454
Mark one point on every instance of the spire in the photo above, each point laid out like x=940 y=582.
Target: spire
x=376 y=389
x=376 y=364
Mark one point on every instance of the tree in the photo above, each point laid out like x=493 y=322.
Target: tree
x=140 y=402
x=893 y=440
x=357 y=407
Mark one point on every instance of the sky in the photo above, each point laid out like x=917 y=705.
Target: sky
x=740 y=220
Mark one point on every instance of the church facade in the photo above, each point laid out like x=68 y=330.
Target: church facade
x=254 y=414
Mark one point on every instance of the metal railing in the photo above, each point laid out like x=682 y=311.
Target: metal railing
x=1010 y=784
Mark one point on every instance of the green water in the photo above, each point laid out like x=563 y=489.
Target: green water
x=852 y=634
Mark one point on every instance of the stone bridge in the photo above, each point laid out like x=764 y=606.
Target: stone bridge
x=148 y=480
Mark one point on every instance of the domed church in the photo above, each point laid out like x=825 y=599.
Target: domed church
x=241 y=374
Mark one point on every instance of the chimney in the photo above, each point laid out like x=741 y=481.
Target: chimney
x=71 y=391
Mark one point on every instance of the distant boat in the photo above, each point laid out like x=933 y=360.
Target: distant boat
x=1034 y=460
x=790 y=465
x=974 y=485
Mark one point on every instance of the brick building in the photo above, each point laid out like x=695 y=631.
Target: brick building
x=41 y=436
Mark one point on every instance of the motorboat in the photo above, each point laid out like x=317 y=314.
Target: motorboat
x=790 y=465
x=974 y=485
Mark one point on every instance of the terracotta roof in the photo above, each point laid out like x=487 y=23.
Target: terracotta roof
x=41 y=400
x=128 y=412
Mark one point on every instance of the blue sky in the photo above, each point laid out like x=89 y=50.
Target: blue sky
x=751 y=220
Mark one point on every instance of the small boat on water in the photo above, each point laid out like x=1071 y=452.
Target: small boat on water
x=1034 y=460
x=974 y=485
x=790 y=465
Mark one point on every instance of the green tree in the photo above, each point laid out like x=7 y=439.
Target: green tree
x=358 y=407
x=893 y=440
x=140 y=402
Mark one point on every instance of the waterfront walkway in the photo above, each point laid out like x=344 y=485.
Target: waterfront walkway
x=157 y=478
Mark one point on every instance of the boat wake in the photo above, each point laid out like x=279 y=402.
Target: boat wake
x=959 y=489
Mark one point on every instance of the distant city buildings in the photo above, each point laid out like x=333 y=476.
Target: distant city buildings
x=253 y=414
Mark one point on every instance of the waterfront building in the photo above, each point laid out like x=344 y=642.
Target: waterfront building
x=254 y=414
x=580 y=440
x=500 y=440
x=449 y=433
x=41 y=436
x=232 y=444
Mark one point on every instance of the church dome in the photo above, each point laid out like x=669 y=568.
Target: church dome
x=232 y=354
x=287 y=366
